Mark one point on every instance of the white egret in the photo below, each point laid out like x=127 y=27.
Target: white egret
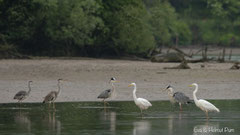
x=203 y=104
x=142 y=103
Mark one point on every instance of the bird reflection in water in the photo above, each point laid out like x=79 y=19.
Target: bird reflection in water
x=53 y=123
x=22 y=119
x=110 y=118
x=170 y=123
x=142 y=127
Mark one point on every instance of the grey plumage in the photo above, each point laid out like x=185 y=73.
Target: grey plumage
x=181 y=98
x=21 y=95
x=109 y=92
x=105 y=94
x=52 y=96
x=178 y=97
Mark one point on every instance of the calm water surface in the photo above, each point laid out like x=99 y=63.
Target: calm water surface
x=118 y=118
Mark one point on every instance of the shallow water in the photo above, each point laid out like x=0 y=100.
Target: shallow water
x=233 y=57
x=118 y=118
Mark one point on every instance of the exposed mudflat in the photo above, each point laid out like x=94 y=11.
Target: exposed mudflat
x=87 y=78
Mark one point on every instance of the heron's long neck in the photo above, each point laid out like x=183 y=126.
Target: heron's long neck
x=194 y=94
x=59 y=89
x=134 y=92
x=113 y=87
x=29 y=88
x=170 y=92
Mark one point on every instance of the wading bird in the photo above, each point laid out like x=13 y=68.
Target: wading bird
x=203 y=104
x=21 y=95
x=109 y=92
x=142 y=103
x=52 y=96
x=178 y=97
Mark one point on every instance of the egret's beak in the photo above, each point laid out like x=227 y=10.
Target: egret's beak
x=116 y=81
x=190 y=85
x=129 y=85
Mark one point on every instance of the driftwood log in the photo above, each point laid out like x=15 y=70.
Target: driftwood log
x=169 y=57
x=183 y=65
x=235 y=66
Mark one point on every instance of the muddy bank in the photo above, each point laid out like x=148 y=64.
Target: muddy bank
x=88 y=77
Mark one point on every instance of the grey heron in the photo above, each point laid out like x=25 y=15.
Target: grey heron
x=52 y=96
x=203 y=104
x=109 y=92
x=21 y=95
x=142 y=103
x=178 y=97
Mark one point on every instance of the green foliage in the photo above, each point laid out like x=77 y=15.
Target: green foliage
x=127 y=26
x=131 y=32
x=162 y=20
x=71 y=24
x=182 y=30
x=166 y=26
x=115 y=27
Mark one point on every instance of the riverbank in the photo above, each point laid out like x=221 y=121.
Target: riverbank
x=86 y=78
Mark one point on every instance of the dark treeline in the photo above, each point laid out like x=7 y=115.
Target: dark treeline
x=98 y=28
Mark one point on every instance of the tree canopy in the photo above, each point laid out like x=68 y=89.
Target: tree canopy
x=98 y=28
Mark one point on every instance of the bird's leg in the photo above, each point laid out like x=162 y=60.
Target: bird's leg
x=207 y=115
x=104 y=103
x=180 y=105
x=19 y=104
x=54 y=106
x=141 y=113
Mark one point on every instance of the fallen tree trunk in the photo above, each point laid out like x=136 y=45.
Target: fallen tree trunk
x=183 y=65
x=180 y=51
x=235 y=66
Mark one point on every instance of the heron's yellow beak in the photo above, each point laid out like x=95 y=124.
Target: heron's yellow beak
x=130 y=85
x=190 y=85
x=116 y=81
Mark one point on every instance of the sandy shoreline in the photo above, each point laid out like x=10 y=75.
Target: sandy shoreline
x=88 y=77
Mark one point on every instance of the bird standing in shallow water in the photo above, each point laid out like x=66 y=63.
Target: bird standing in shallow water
x=21 y=95
x=142 y=103
x=203 y=104
x=178 y=97
x=109 y=92
x=52 y=96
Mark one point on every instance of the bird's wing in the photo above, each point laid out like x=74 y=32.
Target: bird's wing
x=50 y=96
x=20 y=93
x=207 y=105
x=105 y=94
x=181 y=97
x=145 y=102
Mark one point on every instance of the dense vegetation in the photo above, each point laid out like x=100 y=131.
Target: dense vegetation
x=98 y=28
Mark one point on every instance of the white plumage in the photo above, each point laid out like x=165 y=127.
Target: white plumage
x=142 y=103
x=206 y=106
x=203 y=104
